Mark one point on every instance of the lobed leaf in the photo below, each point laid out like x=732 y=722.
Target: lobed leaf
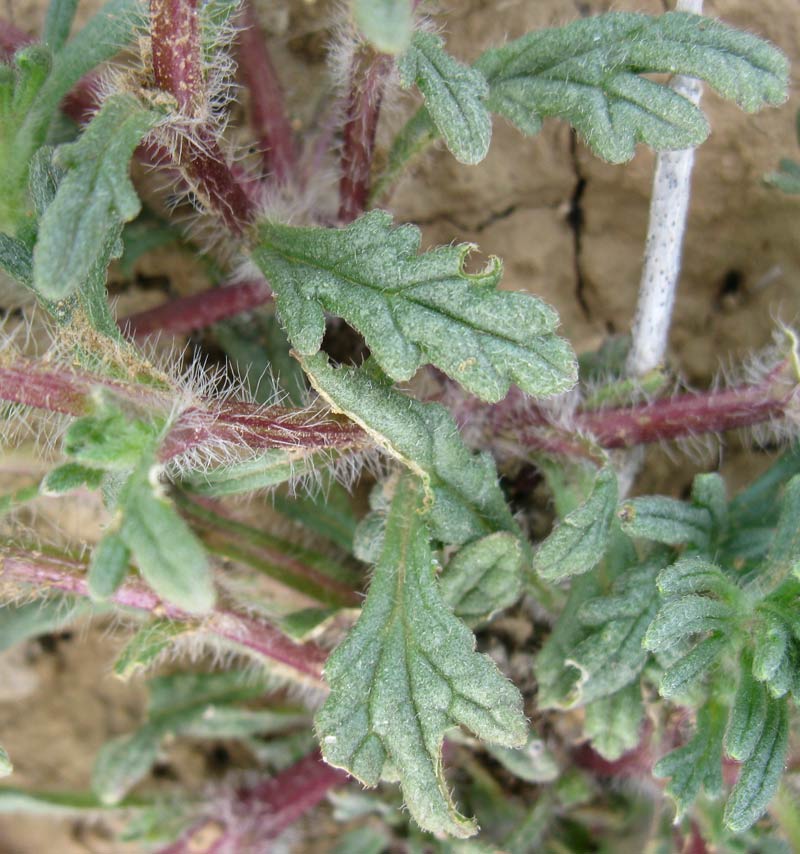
x=579 y=541
x=70 y=476
x=590 y=73
x=684 y=616
x=406 y=673
x=109 y=566
x=94 y=199
x=691 y=667
x=665 y=520
x=466 y=500
x=613 y=723
x=146 y=646
x=413 y=309
x=484 y=577
x=761 y=773
x=698 y=763
x=454 y=96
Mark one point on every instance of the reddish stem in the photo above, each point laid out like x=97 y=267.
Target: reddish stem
x=368 y=76
x=44 y=572
x=11 y=40
x=187 y=314
x=236 y=423
x=177 y=68
x=263 y=811
x=268 y=114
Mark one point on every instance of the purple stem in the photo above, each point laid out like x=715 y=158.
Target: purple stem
x=177 y=69
x=247 y=425
x=263 y=811
x=268 y=114
x=44 y=572
x=186 y=314
x=368 y=75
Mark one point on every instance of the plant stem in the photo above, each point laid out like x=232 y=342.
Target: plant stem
x=662 y=264
x=187 y=314
x=178 y=69
x=44 y=572
x=368 y=75
x=268 y=113
x=263 y=811
x=236 y=423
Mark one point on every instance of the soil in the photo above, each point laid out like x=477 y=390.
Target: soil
x=568 y=227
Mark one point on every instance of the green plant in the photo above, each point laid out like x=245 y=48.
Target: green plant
x=684 y=608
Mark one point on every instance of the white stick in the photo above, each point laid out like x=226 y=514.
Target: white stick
x=662 y=262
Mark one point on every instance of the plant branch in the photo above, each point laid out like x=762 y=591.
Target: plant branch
x=187 y=314
x=44 y=572
x=669 y=207
x=178 y=70
x=263 y=811
x=368 y=75
x=268 y=113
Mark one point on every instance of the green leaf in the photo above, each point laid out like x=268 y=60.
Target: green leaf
x=761 y=773
x=19 y=623
x=32 y=65
x=230 y=722
x=611 y=655
x=698 y=763
x=683 y=616
x=179 y=692
x=56 y=804
x=123 y=762
x=484 y=577
x=16 y=259
x=263 y=471
x=748 y=714
x=406 y=673
x=109 y=439
x=413 y=309
x=5 y=763
x=466 y=499
x=414 y=137
x=329 y=514
x=168 y=554
x=695 y=574
x=454 y=96
x=58 y=23
x=533 y=763
x=589 y=73
x=771 y=644
x=386 y=24
x=94 y=198
x=612 y=724
x=69 y=476
x=784 y=553
x=109 y=566
x=690 y=668
x=146 y=646
x=665 y=520
x=579 y=541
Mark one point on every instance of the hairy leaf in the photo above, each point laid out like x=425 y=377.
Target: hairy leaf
x=748 y=714
x=69 y=476
x=19 y=623
x=684 y=616
x=578 y=542
x=665 y=520
x=612 y=723
x=406 y=673
x=484 y=577
x=413 y=309
x=533 y=763
x=589 y=72
x=58 y=23
x=6 y=766
x=784 y=553
x=466 y=499
x=688 y=669
x=146 y=646
x=168 y=554
x=761 y=772
x=16 y=259
x=387 y=24
x=108 y=566
x=263 y=471
x=698 y=763
x=94 y=198
x=454 y=96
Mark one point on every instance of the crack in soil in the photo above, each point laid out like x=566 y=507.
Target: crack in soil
x=575 y=220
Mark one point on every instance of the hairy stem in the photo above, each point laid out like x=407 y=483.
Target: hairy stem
x=368 y=75
x=42 y=572
x=263 y=811
x=236 y=423
x=268 y=114
x=178 y=70
x=669 y=207
x=187 y=314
